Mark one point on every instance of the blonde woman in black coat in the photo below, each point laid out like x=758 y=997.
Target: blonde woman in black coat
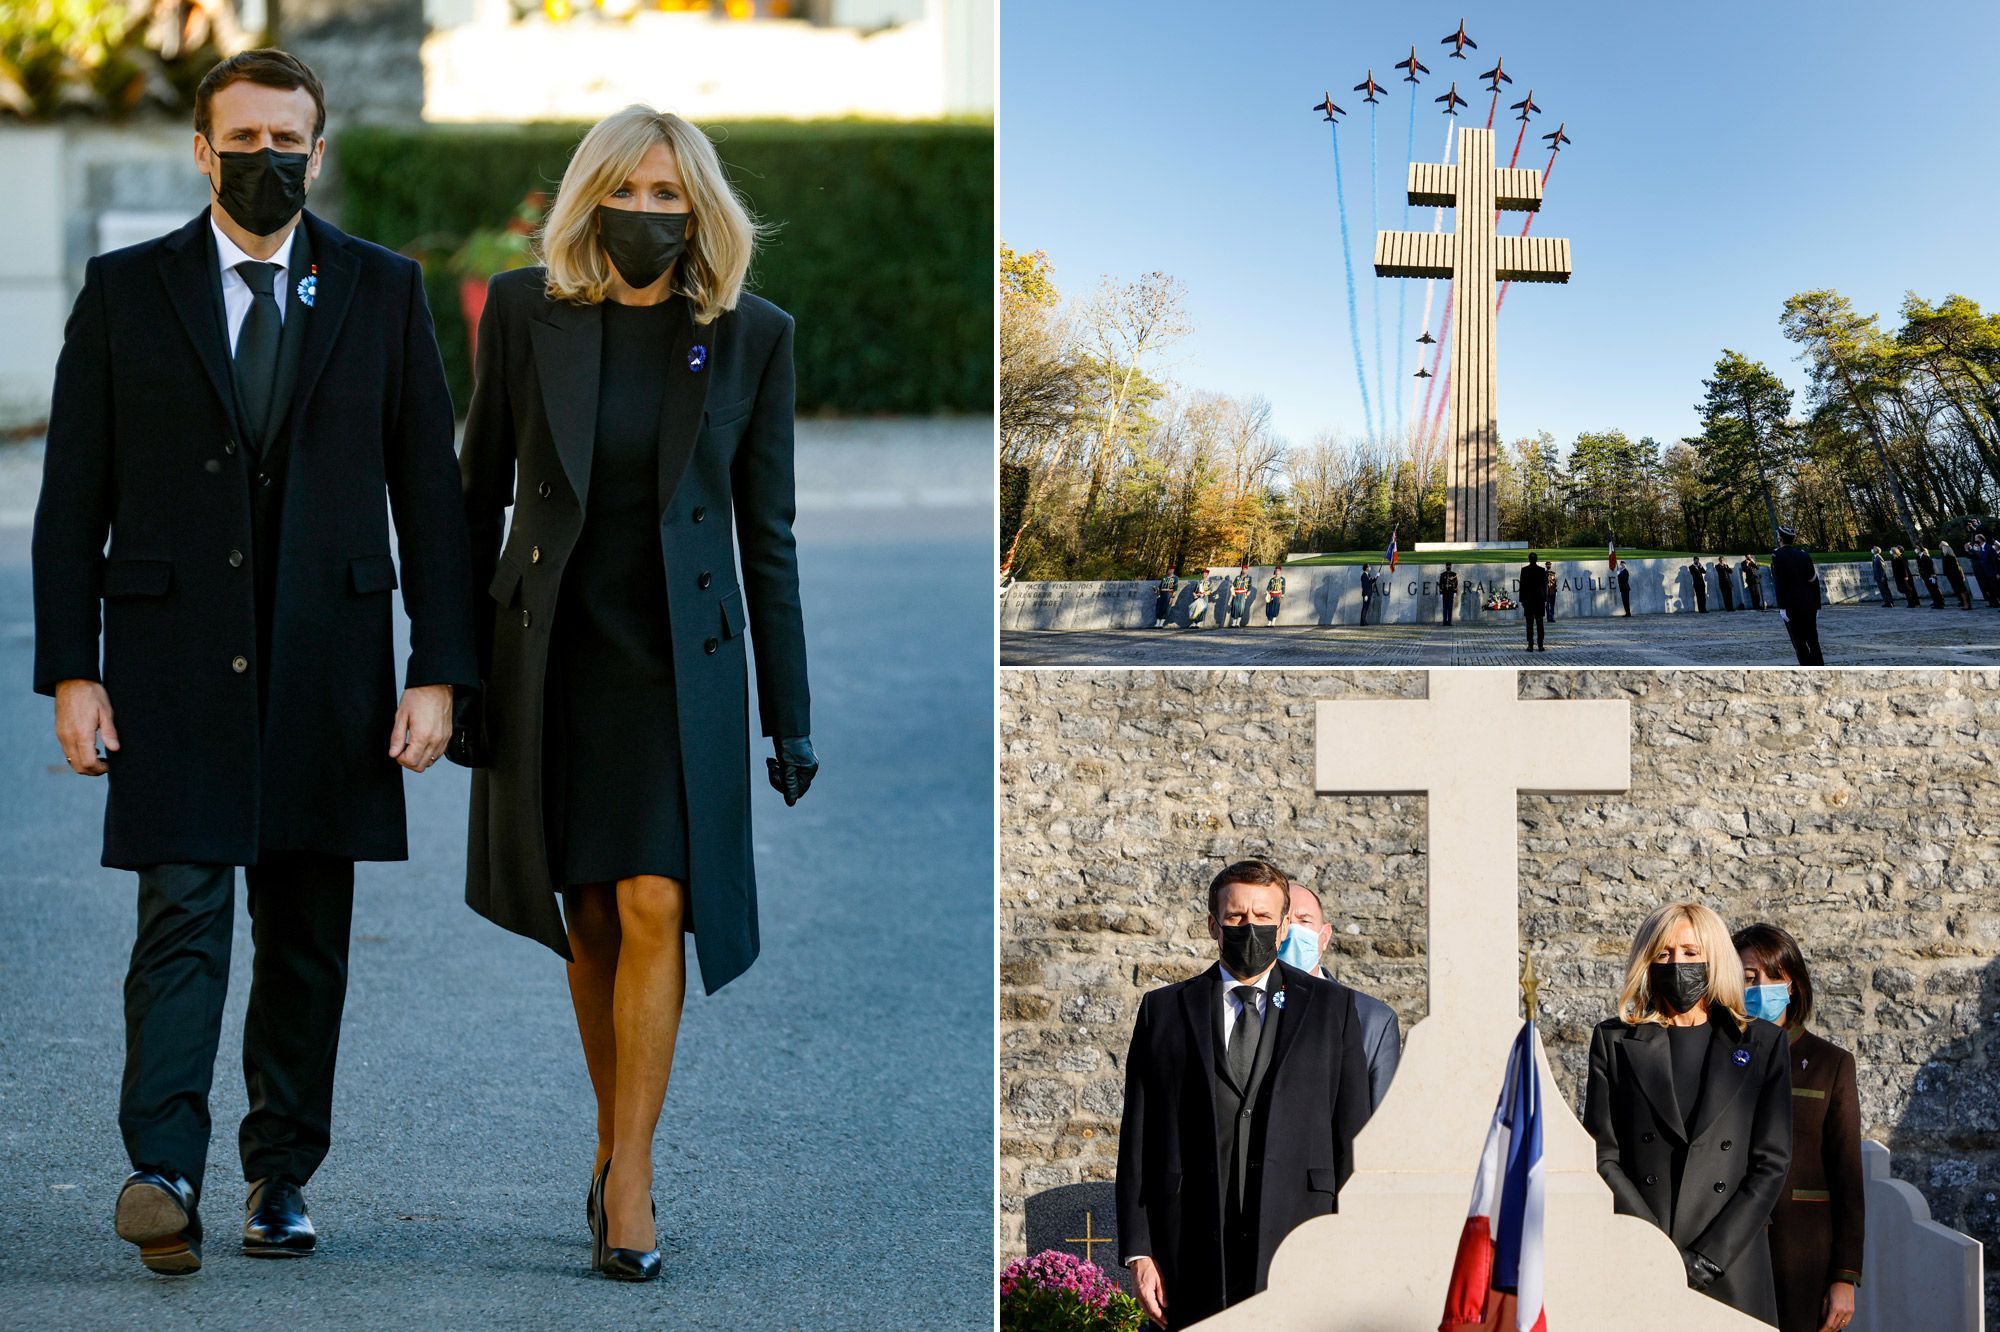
x=1691 y=1105
x=632 y=404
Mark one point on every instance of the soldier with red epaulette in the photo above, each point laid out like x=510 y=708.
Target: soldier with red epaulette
x=1239 y=597
x=1274 y=593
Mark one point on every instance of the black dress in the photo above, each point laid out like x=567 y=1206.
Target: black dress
x=615 y=796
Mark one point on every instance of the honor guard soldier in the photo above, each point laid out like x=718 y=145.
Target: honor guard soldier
x=1163 y=601
x=1797 y=586
x=1370 y=580
x=1274 y=593
x=1239 y=597
x=1448 y=590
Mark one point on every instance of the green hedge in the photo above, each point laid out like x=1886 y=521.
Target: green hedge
x=883 y=248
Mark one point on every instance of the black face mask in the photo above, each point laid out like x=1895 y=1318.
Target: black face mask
x=1679 y=985
x=641 y=246
x=1249 y=950
x=262 y=190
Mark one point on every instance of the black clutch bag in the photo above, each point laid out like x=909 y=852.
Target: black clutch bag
x=467 y=747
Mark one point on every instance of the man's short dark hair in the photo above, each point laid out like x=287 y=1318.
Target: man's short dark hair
x=266 y=65
x=1259 y=872
x=1775 y=951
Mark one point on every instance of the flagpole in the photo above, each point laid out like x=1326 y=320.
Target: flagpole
x=1530 y=984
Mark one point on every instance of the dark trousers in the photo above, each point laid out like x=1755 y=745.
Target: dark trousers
x=1271 y=609
x=1888 y=597
x=1909 y=587
x=1625 y=595
x=1803 y=626
x=301 y=908
x=1989 y=587
x=1364 y=609
x=1755 y=590
x=1533 y=619
x=1937 y=597
x=1449 y=602
x=1239 y=1255
x=1728 y=596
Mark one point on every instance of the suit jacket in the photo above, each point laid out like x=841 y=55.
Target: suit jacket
x=1710 y=1183
x=725 y=462
x=1795 y=581
x=1308 y=1099
x=1817 y=1228
x=246 y=641
x=1381 y=1041
x=1534 y=587
x=1901 y=564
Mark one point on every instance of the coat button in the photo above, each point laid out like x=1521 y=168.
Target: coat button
x=236 y=559
x=546 y=489
x=263 y=478
x=711 y=645
x=1645 y=1137
x=535 y=555
x=212 y=465
x=705 y=579
x=230 y=447
x=1721 y=1188
x=1727 y=1144
x=239 y=664
x=526 y=619
x=699 y=513
x=1652 y=1179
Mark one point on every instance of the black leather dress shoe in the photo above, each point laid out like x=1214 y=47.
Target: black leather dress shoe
x=156 y=1211
x=275 y=1224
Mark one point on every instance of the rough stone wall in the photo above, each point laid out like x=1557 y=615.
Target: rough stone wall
x=1861 y=810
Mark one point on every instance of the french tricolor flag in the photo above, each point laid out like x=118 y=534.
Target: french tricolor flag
x=1390 y=554
x=1613 y=551
x=1496 y=1280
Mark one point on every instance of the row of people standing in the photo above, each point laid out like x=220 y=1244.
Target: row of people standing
x=1902 y=572
x=1738 y=586
x=1232 y=598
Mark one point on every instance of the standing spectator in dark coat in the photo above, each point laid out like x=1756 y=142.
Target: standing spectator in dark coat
x=1817 y=1226
x=1625 y=589
x=1798 y=590
x=1955 y=575
x=1699 y=578
x=1753 y=581
x=1899 y=565
x=1370 y=581
x=1986 y=567
x=1881 y=576
x=1927 y=570
x=1534 y=600
x=1725 y=582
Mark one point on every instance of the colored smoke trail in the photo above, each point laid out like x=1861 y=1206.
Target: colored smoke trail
x=1374 y=230
x=1403 y=288
x=1546 y=172
x=1347 y=258
x=1429 y=386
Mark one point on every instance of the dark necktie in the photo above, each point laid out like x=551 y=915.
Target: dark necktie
x=257 y=348
x=1242 y=1051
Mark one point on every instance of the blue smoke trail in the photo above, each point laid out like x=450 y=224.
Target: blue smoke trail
x=1374 y=230
x=1403 y=288
x=1347 y=258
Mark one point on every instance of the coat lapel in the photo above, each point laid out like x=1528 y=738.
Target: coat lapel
x=339 y=272
x=1723 y=1079
x=1646 y=1052
x=685 y=397
x=1288 y=1016
x=291 y=341
x=188 y=268
x=1201 y=1002
x=569 y=345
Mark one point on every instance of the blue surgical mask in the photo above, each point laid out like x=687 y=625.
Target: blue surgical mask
x=1300 y=948
x=1767 y=1001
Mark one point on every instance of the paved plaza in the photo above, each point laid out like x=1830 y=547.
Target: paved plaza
x=826 y=1151
x=1865 y=635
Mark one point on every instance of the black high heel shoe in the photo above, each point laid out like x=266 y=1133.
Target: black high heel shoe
x=620 y=1264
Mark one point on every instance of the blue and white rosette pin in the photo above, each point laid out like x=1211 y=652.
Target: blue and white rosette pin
x=308 y=288
x=697 y=357
x=1278 y=999
x=1742 y=1058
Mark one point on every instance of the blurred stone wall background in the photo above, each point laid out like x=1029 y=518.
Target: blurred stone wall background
x=1861 y=810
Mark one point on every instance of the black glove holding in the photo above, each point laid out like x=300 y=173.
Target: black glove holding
x=467 y=746
x=1701 y=1272
x=793 y=770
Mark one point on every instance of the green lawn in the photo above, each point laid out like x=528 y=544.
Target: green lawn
x=1585 y=553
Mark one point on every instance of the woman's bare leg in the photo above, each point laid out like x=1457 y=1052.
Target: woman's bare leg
x=646 y=1017
x=591 y=912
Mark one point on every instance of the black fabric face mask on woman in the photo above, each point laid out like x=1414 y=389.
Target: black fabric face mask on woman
x=641 y=246
x=1678 y=984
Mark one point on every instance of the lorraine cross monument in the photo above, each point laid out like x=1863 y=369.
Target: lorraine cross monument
x=1474 y=258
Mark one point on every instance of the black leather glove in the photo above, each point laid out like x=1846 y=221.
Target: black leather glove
x=793 y=769
x=467 y=746
x=1701 y=1272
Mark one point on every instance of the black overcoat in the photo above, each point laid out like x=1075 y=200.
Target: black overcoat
x=1710 y=1184
x=1794 y=581
x=725 y=462
x=1173 y=1162
x=1534 y=580
x=143 y=444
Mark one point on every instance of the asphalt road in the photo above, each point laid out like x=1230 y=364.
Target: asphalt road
x=825 y=1160
x=1865 y=635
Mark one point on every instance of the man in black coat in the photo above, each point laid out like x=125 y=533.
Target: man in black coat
x=1370 y=582
x=1700 y=581
x=1625 y=589
x=1797 y=586
x=1725 y=582
x=231 y=404
x=1244 y=1088
x=1534 y=600
x=1899 y=565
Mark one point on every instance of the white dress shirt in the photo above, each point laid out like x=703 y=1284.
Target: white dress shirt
x=236 y=293
x=1232 y=1007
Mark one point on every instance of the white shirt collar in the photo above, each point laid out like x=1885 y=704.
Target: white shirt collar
x=1230 y=982
x=229 y=254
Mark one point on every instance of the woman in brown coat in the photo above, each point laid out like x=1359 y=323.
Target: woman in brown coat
x=1816 y=1227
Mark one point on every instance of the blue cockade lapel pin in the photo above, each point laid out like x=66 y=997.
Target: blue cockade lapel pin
x=1278 y=999
x=308 y=288
x=1742 y=1058
x=697 y=357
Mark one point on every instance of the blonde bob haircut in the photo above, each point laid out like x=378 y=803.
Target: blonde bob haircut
x=1725 y=970
x=721 y=234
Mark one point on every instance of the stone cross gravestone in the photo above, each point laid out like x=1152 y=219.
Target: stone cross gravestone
x=1475 y=259
x=1384 y=1260
x=1079 y=1219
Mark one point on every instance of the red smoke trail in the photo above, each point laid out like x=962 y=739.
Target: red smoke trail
x=1546 y=172
x=1495 y=107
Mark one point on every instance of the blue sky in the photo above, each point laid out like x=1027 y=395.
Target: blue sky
x=1725 y=156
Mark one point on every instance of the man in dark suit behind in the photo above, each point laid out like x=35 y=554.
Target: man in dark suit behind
x=1797 y=586
x=232 y=402
x=1534 y=600
x=1244 y=1088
